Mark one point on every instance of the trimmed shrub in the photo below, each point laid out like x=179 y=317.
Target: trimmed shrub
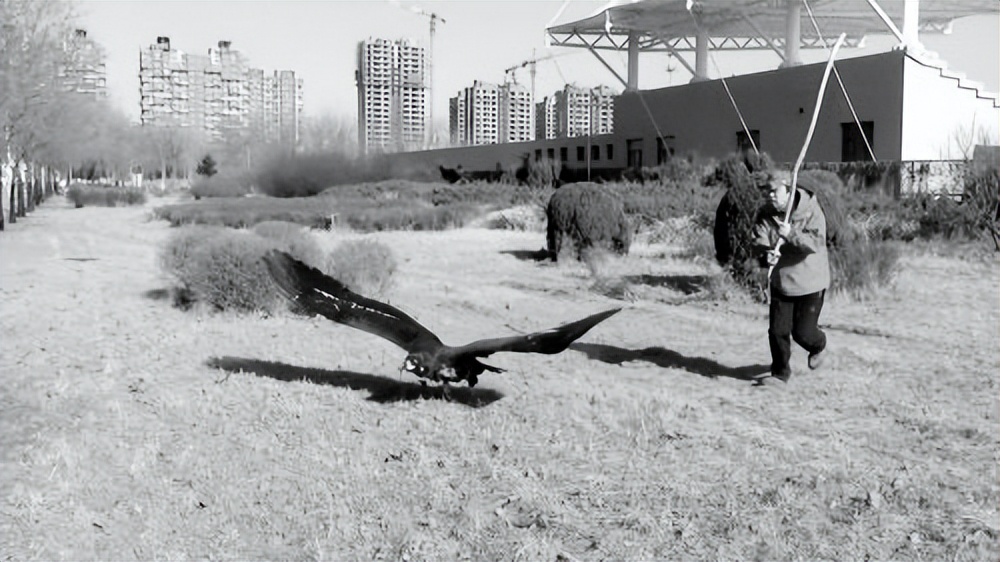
x=175 y=258
x=294 y=239
x=226 y=272
x=366 y=266
x=222 y=266
x=588 y=215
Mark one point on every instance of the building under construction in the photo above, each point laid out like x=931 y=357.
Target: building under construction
x=218 y=94
x=904 y=105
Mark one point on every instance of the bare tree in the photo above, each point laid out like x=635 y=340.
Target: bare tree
x=328 y=133
x=33 y=50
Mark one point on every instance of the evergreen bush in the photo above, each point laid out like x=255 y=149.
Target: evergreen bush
x=586 y=215
x=736 y=215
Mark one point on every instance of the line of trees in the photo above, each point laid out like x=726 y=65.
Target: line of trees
x=54 y=133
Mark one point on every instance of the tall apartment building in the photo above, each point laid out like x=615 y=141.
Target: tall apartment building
x=602 y=110
x=457 y=120
x=286 y=110
x=516 y=113
x=218 y=94
x=392 y=83
x=546 y=119
x=486 y=113
x=85 y=71
x=573 y=111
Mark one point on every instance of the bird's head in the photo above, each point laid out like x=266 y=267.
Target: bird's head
x=415 y=363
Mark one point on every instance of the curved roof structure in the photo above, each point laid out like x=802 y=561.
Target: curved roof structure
x=749 y=24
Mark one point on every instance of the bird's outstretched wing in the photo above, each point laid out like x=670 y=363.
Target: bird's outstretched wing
x=317 y=293
x=553 y=340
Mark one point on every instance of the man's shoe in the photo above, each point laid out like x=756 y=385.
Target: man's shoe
x=771 y=381
x=816 y=359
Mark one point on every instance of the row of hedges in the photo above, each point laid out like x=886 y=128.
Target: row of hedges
x=105 y=196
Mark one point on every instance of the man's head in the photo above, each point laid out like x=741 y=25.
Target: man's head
x=777 y=189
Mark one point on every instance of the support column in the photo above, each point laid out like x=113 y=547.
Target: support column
x=633 y=62
x=793 y=34
x=911 y=26
x=700 y=56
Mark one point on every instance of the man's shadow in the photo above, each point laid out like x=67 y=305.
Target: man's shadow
x=668 y=358
x=381 y=389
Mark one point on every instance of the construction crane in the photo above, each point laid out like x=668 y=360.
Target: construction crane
x=434 y=18
x=530 y=63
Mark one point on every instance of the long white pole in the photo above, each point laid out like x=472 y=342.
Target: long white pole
x=805 y=146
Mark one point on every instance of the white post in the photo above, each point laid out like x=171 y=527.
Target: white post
x=911 y=26
x=633 y=61
x=793 y=34
x=700 y=56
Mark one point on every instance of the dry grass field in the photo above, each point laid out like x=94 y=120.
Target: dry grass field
x=131 y=429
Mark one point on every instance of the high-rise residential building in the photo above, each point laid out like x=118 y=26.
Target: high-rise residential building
x=218 y=94
x=477 y=114
x=517 y=113
x=602 y=110
x=456 y=120
x=288 y=106
x=486 y=113
x=546 y=119
x=85 y=71
x=392 y=83
x=573 y=111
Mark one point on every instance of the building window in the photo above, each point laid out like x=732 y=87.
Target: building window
x=595 y=152
x=551 y=153
x=610 y=152
x=538 y=154
x=633 y=150
x=743 y=141
x=581 y=153
x=852 y=147
x=664 y=148
x=563 y=153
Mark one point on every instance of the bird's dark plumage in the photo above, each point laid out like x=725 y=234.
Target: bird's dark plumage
x=313 y=292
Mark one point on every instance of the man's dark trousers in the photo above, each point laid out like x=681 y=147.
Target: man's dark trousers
x=794 y=318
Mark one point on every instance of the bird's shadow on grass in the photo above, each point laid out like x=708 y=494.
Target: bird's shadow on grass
x=668 y=358
x=528 y=255
x=381 y=389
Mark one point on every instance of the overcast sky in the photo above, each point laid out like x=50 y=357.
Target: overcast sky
x=477 y=40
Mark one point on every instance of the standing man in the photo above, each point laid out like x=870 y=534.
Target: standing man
x=801 y=273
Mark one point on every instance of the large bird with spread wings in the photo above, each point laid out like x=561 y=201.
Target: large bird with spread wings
x=313 y=292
